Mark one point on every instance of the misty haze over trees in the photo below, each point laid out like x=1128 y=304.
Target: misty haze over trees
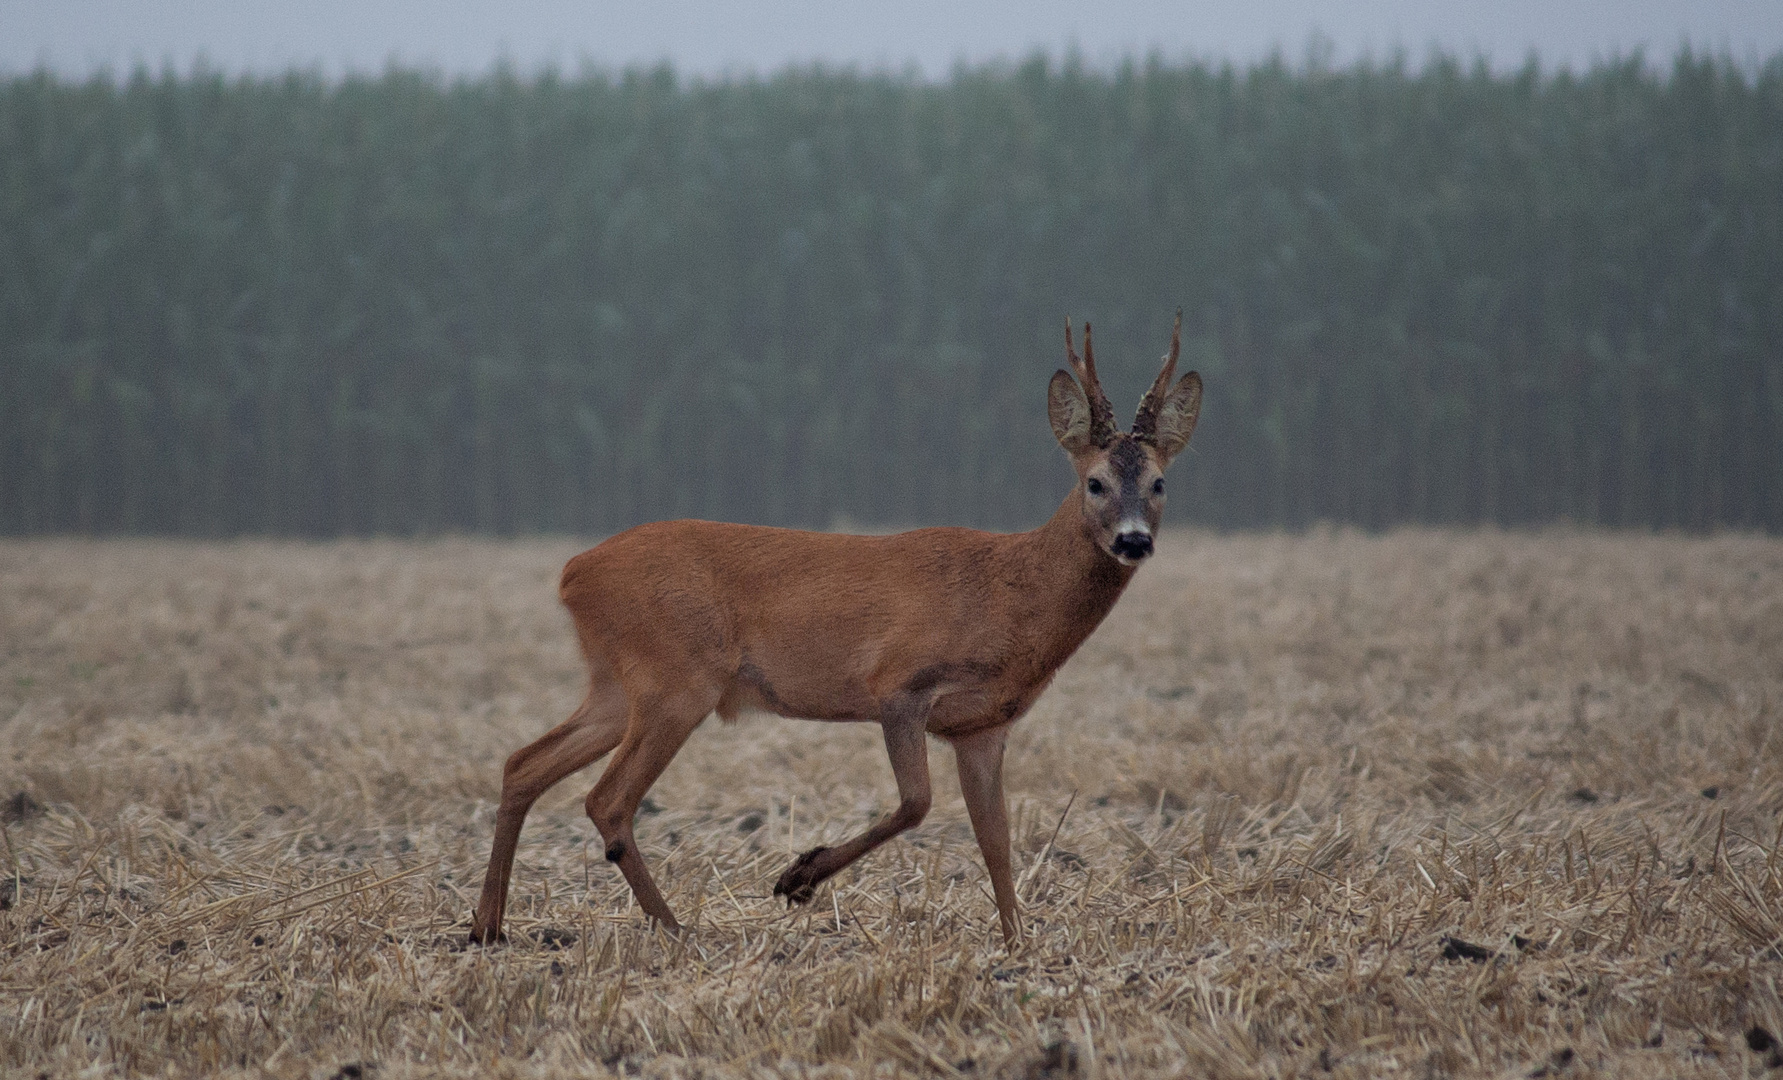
x=398 y=305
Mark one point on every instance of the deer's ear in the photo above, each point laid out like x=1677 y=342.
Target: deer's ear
x=1069 y=411
x=1177 y=416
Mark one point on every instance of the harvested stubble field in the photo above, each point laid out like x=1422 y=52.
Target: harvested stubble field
x=1426 y=804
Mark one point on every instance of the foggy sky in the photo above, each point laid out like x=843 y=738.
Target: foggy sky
x=716 y=37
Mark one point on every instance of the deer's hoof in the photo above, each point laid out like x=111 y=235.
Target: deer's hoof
x=799 y=883
x=481 y=936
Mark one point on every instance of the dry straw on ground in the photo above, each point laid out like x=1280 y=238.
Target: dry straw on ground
x=1426 y=804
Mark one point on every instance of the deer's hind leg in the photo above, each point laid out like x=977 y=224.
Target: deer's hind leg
x=659 y=724
x=596 y=726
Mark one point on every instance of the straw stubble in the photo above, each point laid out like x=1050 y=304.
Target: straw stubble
x=1455 y=803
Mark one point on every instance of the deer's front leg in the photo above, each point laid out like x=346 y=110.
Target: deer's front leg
x=980 y=760
x=903 y=724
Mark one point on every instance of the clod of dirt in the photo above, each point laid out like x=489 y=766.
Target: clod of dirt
x=1160 y=797
x=1453 y=948
x=354 y=1070
x=648 y=807
x=1761 y=1041
x=750 y=822
x=1711 y=792
x=21 y=807
x=1558 y=1061
x=835 y=1035
x=1584 y=795
x=180 y=698
x=554 y=939
x=1058 y=1058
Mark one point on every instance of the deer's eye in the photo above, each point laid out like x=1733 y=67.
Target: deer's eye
x=1094 y=486
x=1158 y=486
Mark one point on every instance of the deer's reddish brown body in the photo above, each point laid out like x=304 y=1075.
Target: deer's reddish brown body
x=827 y=627
x=946 y=632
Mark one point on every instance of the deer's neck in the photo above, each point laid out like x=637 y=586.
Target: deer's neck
x=1071 y=582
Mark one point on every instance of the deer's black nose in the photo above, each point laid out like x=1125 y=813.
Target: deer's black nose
x=1133 y=545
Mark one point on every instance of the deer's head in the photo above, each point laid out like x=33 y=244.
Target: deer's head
x=1122 y=475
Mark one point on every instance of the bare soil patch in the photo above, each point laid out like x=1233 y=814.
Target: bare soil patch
x=1428 y=803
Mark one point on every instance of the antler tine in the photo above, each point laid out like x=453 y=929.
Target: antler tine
x=1145 y=424
x=1102 y=426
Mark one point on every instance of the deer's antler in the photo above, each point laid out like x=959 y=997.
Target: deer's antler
x=1102 y=425
x=1145 y=424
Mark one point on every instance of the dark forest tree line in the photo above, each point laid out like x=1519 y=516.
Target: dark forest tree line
x=397 y=305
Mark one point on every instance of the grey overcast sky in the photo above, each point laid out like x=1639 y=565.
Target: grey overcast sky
x=715 y=37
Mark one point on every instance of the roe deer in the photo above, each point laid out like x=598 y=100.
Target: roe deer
x=946 y=632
